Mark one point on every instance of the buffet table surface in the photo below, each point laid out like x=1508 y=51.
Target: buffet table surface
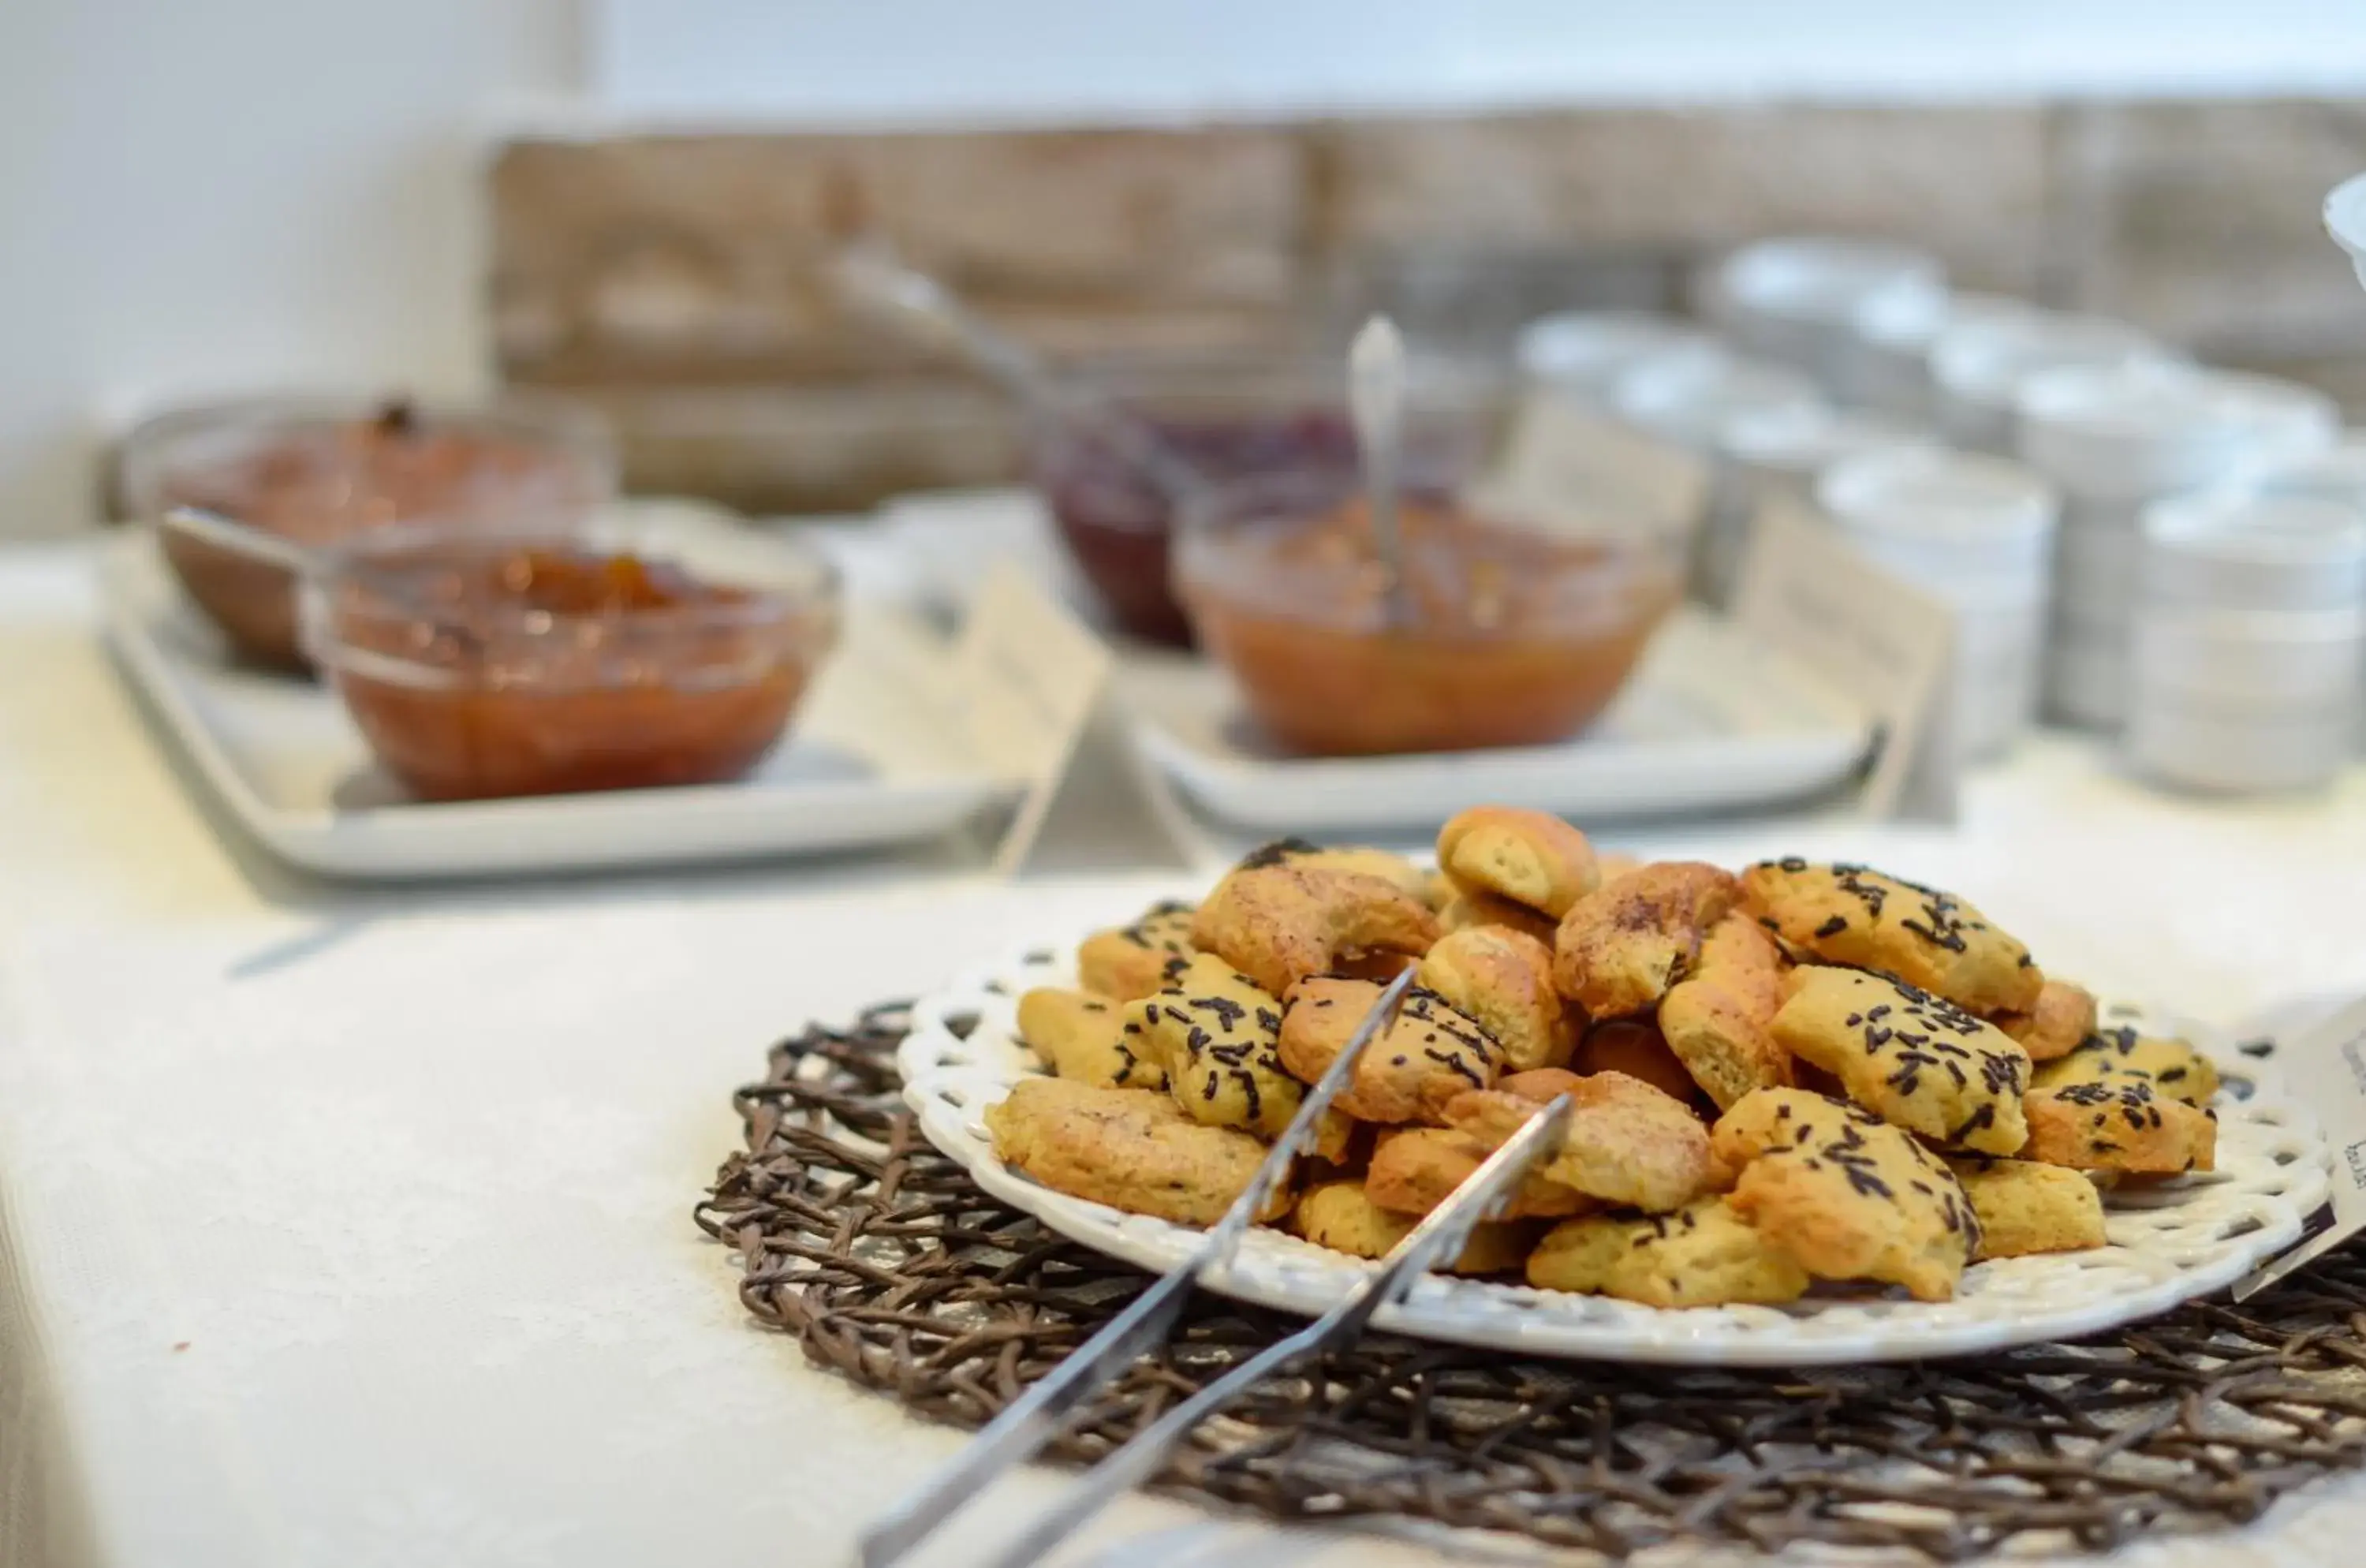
x=352 y=1226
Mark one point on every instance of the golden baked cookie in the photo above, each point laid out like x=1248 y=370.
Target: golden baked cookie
x=1717 y=1019
x=1502 y=979
x=1539 y=1084
x=1468 y=908
x=1338 y=1215
x=1089 y=1038
x=2025 y=1208
x=1130 y=961
x=1280 y=924
x=1430 y=1054
x=1377 y=967
x=1627 y=1142
x=1127 y=1147
x=1218 y=1036
x=1414 y=1170
x=1634 y=1046
x=2119 y=1124
x=1620 y=947
x=1852 y=915
x=1530 y=857
x=1616 y=862
x=1360 y=859
x=2122 y=1055
x=2063 y=1015
x=1922 y=1062
x=1704 y=1253
x=1847 y=1194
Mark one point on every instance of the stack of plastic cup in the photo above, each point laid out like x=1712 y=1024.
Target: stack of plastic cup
x=1688 y=398
x=1978 y=369
x=2249 y=641
x=1581 y=353
x=2115 y=439
x=1684 y=402
x=1978 y=533
x=2336 y=473
x=1886 y=364
x=1792 y=299
x=1770 y=455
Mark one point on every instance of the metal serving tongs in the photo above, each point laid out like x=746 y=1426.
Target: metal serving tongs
x=1440 y=1236
x=1027 y=1422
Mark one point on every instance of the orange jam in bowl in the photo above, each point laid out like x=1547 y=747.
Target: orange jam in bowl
x=481 y=665
x=1496 y=635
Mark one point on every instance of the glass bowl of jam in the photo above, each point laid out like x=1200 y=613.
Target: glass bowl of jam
x=321 y=470
x=480 y=663
x=1226 y=421
x=1494 y=634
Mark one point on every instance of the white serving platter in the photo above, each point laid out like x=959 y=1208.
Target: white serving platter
x=2167 y=1243
x=1710 y=721
x=871 y=760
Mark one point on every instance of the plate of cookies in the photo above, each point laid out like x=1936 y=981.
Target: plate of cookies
x=1822 y=1113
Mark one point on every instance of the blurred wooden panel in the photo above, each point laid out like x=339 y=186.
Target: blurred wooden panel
x=653 y=256
x=675 y=280
x=1966 y=182
x=811 y=448
x=2203 y=221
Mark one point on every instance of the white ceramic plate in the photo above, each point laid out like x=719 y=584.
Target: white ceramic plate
x=870 y=760
x=1710 y=721
x=2166 y=1244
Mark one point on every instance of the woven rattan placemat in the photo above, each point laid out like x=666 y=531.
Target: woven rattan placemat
x=895 y=1269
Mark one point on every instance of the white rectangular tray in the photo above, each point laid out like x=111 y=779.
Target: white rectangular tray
x=1710 y=721
x=871 y=760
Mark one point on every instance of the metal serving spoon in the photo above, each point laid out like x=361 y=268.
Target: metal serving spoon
x=1376 y=396
x=871 y=275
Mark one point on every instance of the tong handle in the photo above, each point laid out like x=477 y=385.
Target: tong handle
x=1029 y=1421
x=1440 y=1236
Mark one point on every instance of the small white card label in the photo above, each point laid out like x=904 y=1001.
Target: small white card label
x=1026 y=676
x=1569 y=468
x=1807 y=592
x=2325 y=1067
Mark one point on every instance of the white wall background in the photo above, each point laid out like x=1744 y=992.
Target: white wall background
x=902 y=61
x=198 y=195
x=206 y=195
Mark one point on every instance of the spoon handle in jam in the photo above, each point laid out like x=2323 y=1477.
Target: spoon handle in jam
x=239 y=538
x=1376 y=391
x=873 y=275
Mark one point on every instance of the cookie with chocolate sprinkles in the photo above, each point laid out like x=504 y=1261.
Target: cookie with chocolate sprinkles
x=1847 y=1194
x=1853 y=915
x=1429 y=1055
x=1219 y=1037
x=2123 y=1126
x=1130 y=960
x=2122 y=1055
x=1918 y=1061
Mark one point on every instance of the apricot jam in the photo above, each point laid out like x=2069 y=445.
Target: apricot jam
x=477 y=669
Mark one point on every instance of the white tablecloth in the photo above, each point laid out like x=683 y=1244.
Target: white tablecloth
x=353 y=1228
